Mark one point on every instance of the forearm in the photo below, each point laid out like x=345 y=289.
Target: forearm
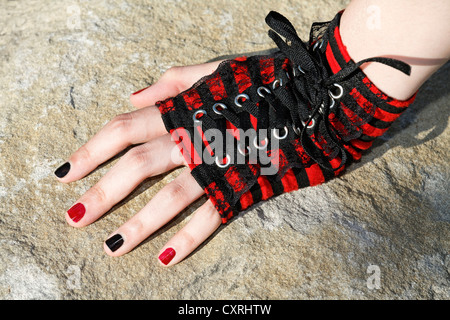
x=401 y=29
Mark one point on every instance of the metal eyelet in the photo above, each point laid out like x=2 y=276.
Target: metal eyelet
x=239 y=97
x=322 y=106
x=260 y=147
x=300 y=69
x=223 y=165
x=277 y=83
x=198 y=115
x=277 y=136
x=288 y=76
x=337 y=96
x=311 y=124
x=333 y=103
x=221 y=107
x=297 y=130
x=261 y=89
x=319 y=43
x=241 y=150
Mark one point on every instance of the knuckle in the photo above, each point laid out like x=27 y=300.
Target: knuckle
x=188 y=239
x=98 y=194
x=138 y=157
x=121 y=123
x=173 y=77
x=134 y=227
x=84 y=154
x=172 y=72
x=176 y=191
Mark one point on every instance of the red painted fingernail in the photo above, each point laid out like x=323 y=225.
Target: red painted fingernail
x=77 y=212
x=139 y=91
x=167 y=256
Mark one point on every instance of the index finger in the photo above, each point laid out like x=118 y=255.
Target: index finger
x=173 y=81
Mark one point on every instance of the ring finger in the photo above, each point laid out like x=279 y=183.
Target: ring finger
x=152 y=158
x=123 y=131
x=163 y=207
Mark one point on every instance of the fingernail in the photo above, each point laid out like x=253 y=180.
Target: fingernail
x=115 y=242
x=167 y=256
x=139 y=91
x=77 y=212
x=62 y=171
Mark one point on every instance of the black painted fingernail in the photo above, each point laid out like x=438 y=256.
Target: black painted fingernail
x=115 y=242
x=62 y=171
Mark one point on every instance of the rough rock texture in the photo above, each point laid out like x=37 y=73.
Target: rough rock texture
x=379 y=232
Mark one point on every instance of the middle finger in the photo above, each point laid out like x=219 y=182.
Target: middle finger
x=123 y=131
x=152 y=158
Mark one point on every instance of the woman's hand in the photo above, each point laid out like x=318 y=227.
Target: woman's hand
x=155 y=154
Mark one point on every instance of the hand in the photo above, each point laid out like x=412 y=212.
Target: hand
x=155 y=154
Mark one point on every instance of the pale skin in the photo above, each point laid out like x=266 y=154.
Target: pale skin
x=157 y=153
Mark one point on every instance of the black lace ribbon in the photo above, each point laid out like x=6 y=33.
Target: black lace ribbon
x=309 y=92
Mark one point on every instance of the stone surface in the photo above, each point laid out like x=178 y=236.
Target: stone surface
x=67 y=69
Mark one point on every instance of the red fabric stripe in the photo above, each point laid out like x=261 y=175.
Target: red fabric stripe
x=241 y=74
x=335 y=163
x=218 y=200
x=192 y=99
x=289 y=181
x=366 y=105
x=266 y=187
x=241 y=59
x=320 y=142
x=254 y=168
x=372 y=131
x=379 y=114
x=205 y=142
x=267 y=70
x=342 y=47
x=334 y=65
x=246 y=200
x=340 y=128
x=225 y=220
x=184 y=143
x=301 y=152
x=383 y=115
x=366 y=128
x=231 y=129
x=165 y=106
x=235 y=180
x=216 y=87
x=362 y=145
x=254 y=122
x=315 y=175
x=355 y=154
x=337 y=124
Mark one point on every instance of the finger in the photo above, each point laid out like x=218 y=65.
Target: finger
x=172 y=82
x=202 y=225
x=164 y=206
x=121 y=132
x=152 y=158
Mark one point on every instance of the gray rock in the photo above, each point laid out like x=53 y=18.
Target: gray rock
x=380 y=231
